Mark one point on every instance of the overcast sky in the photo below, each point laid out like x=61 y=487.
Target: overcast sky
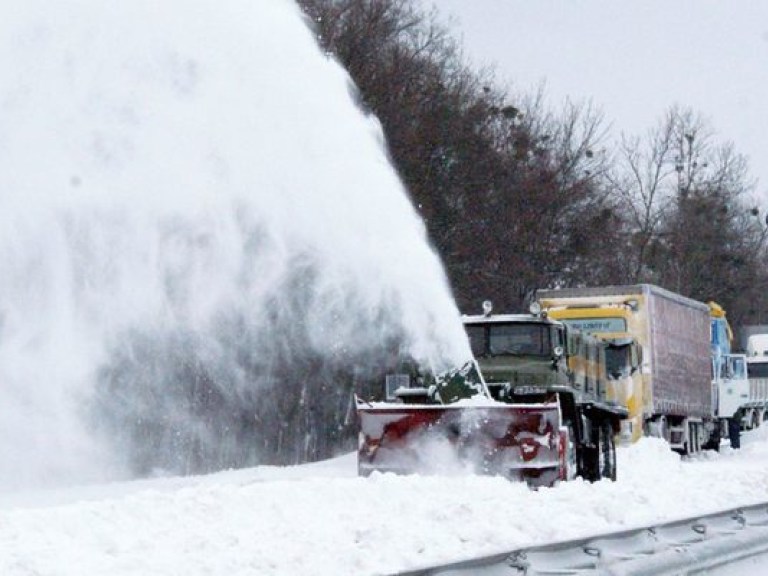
x=634 y=59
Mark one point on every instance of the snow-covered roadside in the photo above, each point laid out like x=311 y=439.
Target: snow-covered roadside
x=322 y=519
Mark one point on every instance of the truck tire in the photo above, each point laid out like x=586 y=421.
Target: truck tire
x=589 y=451
x=734 y=432
x=607 y=451
x=692 y=445
x=599 y=458
x=713 y=442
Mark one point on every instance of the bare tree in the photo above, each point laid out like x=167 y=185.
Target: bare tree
x=692 y=222
x=644 y=181
x=543 y=216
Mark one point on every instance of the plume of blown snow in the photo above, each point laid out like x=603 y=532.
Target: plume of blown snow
x=189 y=191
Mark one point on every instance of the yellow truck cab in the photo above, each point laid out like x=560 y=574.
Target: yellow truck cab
x=609 y=321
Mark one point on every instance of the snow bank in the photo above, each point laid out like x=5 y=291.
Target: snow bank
x=322 y=519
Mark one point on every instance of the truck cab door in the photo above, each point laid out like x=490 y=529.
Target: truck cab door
x=733 y=385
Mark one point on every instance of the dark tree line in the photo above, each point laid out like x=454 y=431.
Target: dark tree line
x=518 y=197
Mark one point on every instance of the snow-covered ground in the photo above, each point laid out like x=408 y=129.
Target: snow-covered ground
x=322 y=519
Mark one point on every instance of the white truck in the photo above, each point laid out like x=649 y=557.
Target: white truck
x=757 y=345
x=755 y=409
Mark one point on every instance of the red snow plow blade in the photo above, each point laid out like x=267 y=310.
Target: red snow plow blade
x=518 y=441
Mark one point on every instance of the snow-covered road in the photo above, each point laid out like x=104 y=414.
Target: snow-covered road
x=322 y=519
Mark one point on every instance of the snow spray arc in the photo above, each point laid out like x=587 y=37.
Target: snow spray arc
x=199 y=232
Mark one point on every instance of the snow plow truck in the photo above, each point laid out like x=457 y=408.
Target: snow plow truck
x=531 y=405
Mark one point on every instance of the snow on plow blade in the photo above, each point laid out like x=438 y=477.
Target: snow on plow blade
x=518 y=441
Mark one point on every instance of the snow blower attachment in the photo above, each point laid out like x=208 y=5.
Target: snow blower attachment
x=452 y=425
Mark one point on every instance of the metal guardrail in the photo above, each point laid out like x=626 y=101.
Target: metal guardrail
x=685 y=546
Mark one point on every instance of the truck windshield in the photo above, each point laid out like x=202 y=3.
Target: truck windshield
x=510 y=339
x=617 y=361
x=757 y=369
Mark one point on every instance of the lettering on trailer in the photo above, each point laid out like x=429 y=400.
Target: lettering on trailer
x=597 y=324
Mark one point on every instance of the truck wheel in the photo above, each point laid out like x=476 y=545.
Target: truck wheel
x=588 y=451
x=713 y=442
x=599 y=459
x=734 y=432
x=607 y=452
x=692 y=446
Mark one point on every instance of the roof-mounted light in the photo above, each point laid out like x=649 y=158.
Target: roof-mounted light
x=487 y=307
x=535 y=308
